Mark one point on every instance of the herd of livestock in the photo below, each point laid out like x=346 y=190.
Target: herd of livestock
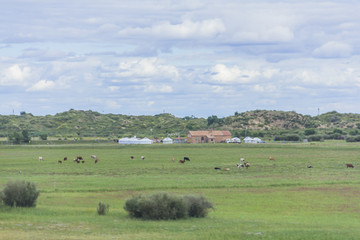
x=242 y=164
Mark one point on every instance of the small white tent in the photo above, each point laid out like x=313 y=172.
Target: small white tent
x=235 y=140
x=135 y=140
x=167 y=140
x=252 y=140
x=145 y=141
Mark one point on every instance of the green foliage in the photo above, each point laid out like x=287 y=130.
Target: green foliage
x=197 y=206
x=103 y=208
x=289 y=137
x=353 y=139
x=44 y=136
x=162 y=206
x=309 y=131
x=315 y=138
x=20 y=194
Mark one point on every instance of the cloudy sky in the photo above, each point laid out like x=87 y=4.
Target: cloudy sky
x=189 y=57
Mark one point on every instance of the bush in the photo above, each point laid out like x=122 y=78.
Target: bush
x=20 y=194
x=197 y=206
x=162 y=206
x=103 y=208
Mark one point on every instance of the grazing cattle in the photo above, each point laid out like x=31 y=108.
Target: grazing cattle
x=240 y=165
x=172 y=159
x=186 y=158
x=217 y=168
x=93 y=156
x=79 y=158
x=131 y=157
x=65 y=158
x=242 y=159
x=96 y=160
x=59 y=161
x=82 y=161
x=227 y=169
x=181 y=161
x=349 y=165
x=272 y=158
x=41 y=159
x=309 y=166
x=247 y=164
x=142 y=158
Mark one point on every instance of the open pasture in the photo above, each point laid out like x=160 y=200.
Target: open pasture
x=280 y=199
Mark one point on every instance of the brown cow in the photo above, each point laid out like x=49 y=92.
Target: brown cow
x=349 y=165
x=272 y=158
x=181 y=161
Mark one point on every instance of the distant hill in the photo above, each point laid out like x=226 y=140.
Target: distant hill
x=80 y=123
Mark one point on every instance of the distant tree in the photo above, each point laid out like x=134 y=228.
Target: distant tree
x=43 y=136
x=25 y=136
x=309 y=131
x=212 y=120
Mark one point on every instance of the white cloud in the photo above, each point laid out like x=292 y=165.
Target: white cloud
x=42 y=85
x=223 y=74
x=143 y=67
x=266 y=35
x=333 y=49
x=185 y=30
x=159 y=89
x=15 y=75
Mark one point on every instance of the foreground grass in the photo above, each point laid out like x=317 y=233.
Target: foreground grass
x=270 y=200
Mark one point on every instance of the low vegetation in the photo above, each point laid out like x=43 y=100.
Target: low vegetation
x=20 y=194
x=163 y=206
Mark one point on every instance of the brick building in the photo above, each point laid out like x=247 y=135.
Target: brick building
x=211 y=136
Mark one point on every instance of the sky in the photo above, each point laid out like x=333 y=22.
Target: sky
x=188 y=58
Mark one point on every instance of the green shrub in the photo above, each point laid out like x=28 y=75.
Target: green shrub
x=20 y=194
x=162 y=206
x=103 y=208
x=197 y=206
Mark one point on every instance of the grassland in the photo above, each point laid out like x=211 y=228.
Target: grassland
x=270 y=200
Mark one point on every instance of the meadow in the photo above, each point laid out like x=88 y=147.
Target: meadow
x=281 y=199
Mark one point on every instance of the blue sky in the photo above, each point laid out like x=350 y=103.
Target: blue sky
x=190 y=57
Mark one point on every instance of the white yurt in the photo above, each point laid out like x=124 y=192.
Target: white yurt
x=135 y=140
x=236 y=140
x=167 y=140
x=145 y=141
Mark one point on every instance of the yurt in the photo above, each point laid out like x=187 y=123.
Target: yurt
x=167 y=141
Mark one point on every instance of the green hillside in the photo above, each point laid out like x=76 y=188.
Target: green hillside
x=263 y=123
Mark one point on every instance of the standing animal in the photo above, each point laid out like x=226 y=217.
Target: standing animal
x=41 y=159
x=172 y=159
x=242 y=159
x=272 y=158
x=142 y=158
x=181 y=161
x=217 y=168
x=65 y=158
x=96 y=160
x=59 y=161
x=247 y=164
x=186 y=158
x=131 y=157
x=227 y=169
x=309 y=166
x=93 y=156
x=349 y=165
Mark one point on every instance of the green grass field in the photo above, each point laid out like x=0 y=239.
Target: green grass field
x=270 y=200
